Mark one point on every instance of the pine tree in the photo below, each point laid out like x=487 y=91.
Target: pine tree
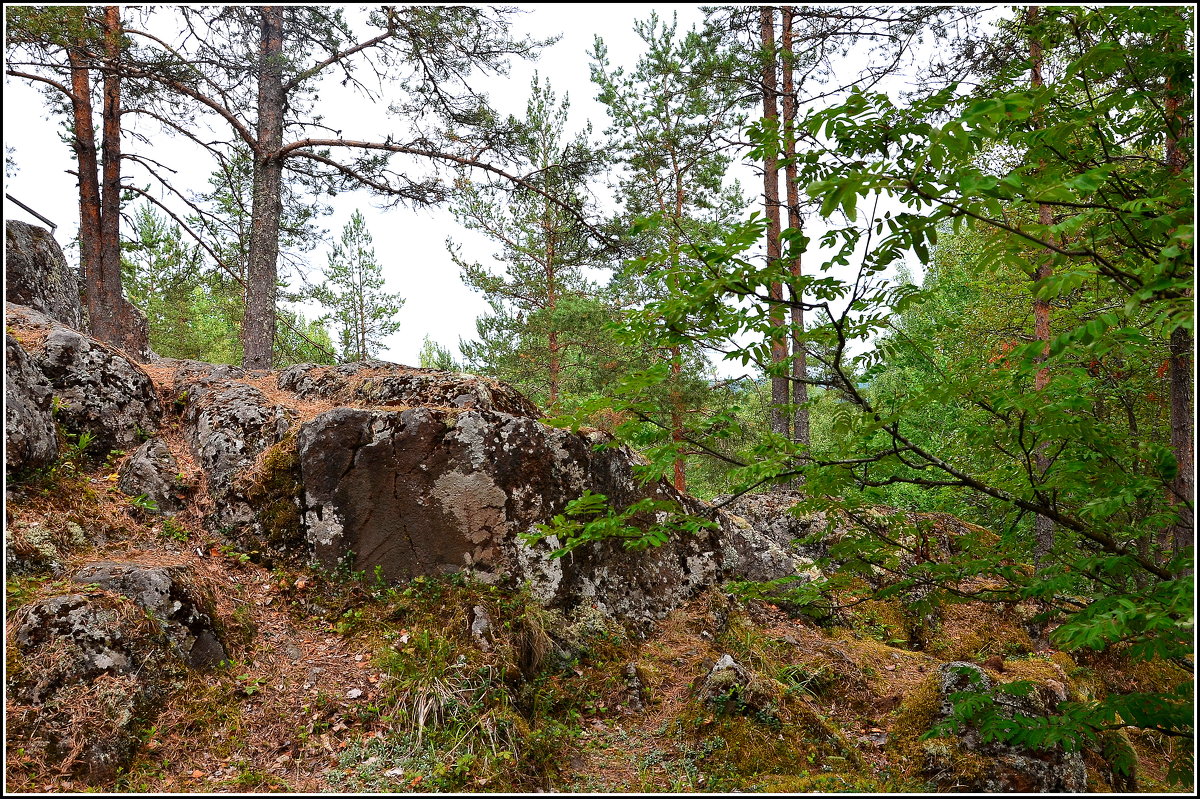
x=71 y=51
x=435 y=356
x=670 y=118
x=361 y=312
x=540 y=301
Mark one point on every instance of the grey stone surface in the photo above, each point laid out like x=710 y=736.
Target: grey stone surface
x=89 y=675
x=36 y=274
x=165 y=594
x=1007 y=768
x=30 y=436
x=481 y=628
x=379 y=383
x=428 y=491
x=152 y=471
x=227 y=425
x=99 y=390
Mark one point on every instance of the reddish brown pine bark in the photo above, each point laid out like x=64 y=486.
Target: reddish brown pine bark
x=110 y=317
x=119 y=322
x=262 y=270
x=1043 y=527
x=1183 y=487
x=87 y=161
x=800 y=429
x=770 y=88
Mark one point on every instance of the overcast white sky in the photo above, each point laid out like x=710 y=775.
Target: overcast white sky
x=410 y=244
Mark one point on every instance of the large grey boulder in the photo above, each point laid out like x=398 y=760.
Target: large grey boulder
x=770 y=514
x=227 y=425
x=30 y=436
x=99 y=390
x=36 y=274
x=431 y=490
x=999 y=767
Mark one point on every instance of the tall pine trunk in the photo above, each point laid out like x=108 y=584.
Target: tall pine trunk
x=87 y=163
x=800 y=428
x=262 y=278
x=551 y=306
x=110 y=317
x=1043 y=527
x=1183 y=487
x=770 y=89
x=678 y=411
x=121 y=324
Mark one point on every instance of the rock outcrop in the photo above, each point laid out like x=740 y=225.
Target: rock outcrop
x=99 y=391
x=771 y=515
x=228 y=424
x=427 y=491
x=36 y=274
x=997 y=767
x=30 y=437
x=439 y=472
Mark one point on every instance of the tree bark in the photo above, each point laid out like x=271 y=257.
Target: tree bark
x=1043 y=527
x=87 y=161
x=800 y=426
x=1182 y=440
x=677 y=436
x=1183 y=487
x=551 y=305
x=122 y=324
x=262 y=278
x=770 y=89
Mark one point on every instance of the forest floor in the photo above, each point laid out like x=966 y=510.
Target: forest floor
x=337 y=683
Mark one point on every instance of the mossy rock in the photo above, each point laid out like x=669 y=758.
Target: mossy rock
x=87 y=673
x=967 y=760
x=273 y=491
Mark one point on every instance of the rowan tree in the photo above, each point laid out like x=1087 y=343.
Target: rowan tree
x=1099 y=144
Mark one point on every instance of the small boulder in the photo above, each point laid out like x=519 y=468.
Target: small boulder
x=481 y=628
x=164 y=593
x=86 y=674
x=636 y=694
x=732 y=688
x=152 y=471
x=998 y=767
